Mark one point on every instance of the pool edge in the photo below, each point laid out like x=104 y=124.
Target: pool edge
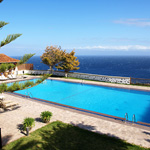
x=87 y=112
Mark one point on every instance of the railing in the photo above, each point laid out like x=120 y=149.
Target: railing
x=103 y=78
x=28 y=94
x=140 y=81
x=133 y=119
x=126 y=116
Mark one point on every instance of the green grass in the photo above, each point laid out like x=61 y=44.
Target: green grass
x=61 y=136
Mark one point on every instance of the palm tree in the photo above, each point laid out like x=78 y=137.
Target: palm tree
x=10 y=37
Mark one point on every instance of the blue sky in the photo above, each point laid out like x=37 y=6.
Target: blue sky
x=91 y=27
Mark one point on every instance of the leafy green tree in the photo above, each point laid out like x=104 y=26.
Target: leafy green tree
x=52 y=56
x=3 y=67
x=10 y=66
x=68 y=62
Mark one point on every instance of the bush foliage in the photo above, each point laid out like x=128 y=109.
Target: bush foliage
x=46 y=115
x=3 y=87
x=20 y=86
x=28 y=122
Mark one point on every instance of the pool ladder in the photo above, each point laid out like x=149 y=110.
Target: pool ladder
x=133 y=118
x=126 y=116
x=82 y=82
x=44 y=82
x=28 y=94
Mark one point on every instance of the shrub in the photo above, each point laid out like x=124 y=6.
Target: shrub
x=28 y=83
x=38 y=81
x=3 y=87
x=22 y=86
x=45 y=76
x=28 y=122
x=14 y=87
x=10 y=89
x=45 y=116
x=3 y=67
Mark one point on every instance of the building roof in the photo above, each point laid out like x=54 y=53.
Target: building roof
x=6 y=59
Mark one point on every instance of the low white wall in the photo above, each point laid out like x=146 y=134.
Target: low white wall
x=34 y=72
x=112 y=79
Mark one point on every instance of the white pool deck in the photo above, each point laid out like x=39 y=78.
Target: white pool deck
x=9 y=120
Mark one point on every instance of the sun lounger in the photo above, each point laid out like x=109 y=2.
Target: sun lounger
x=12 y=76
x=6 y=101
x=8 y=104
x=2 y=97
x=3 y=78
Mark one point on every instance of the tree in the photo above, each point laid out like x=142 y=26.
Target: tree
x=10 y=67
x=25 y=58
x=52 y=56
x=10 y=37
x=68 y=62
x=7 y=40
x=3 y=68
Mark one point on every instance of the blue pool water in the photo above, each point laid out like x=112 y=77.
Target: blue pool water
x=107 y=100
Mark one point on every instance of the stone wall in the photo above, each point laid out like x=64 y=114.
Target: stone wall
x=112 y=79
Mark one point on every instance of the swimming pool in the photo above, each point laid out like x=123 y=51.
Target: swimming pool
x=107 y=100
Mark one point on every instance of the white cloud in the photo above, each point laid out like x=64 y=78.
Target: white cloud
x=142 y=22
x=125 y=47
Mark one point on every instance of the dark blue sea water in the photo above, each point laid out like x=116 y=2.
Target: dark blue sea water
x=125 y=66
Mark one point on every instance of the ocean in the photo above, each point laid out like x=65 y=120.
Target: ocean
x=125 y=66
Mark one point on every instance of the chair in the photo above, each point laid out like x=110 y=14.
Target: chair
x=2 y=97
x=2 y=78
x=13 y=76
x=6 y=104
x=10 y=76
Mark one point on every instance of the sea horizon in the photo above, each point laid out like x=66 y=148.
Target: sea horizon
x=123 y=66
